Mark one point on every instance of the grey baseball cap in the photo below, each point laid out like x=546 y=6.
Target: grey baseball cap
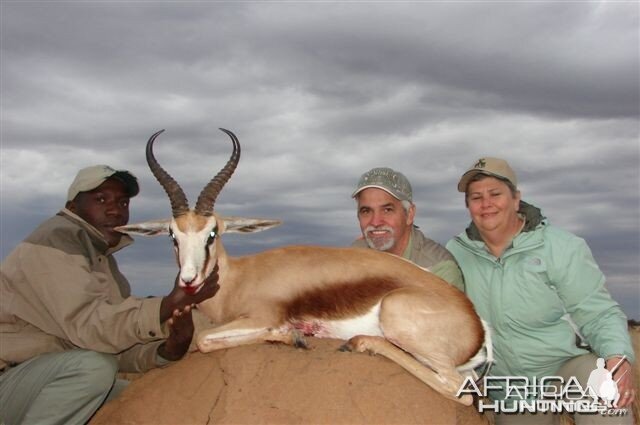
x=91 y=177
x=494 y=167
x=387 y=179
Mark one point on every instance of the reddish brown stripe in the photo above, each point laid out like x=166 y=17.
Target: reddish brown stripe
x=340 y=300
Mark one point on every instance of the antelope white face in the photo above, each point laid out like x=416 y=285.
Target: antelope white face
x=196 y=241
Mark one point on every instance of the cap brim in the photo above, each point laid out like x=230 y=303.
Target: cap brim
x=377 y=187
x=464 y=180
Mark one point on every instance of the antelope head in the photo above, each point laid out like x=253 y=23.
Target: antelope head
x=195 y=233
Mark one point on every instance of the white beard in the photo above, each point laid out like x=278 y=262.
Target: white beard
x=381 y=243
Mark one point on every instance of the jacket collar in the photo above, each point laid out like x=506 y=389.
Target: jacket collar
x=96 y=237
x=531 y=214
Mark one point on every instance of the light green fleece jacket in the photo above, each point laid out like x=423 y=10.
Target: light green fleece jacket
x=525 y=294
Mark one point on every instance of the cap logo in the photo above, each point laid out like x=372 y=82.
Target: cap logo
x=379 y=176
x=480 y=164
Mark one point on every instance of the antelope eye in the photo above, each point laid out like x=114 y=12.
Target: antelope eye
x=173 y=237
x=212 y=237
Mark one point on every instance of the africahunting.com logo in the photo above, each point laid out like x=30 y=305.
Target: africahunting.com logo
x=553 y=394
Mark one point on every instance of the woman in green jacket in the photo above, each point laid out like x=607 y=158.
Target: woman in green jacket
x=538 y=287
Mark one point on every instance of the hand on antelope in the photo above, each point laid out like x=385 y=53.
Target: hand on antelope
x=180 y=335
x=179 y=299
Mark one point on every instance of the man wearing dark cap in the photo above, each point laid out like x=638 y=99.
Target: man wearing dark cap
x=68 y=322
x=386 y=212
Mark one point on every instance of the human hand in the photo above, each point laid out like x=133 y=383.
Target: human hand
x=180 y=335
x=179 y=299
x=624 y=379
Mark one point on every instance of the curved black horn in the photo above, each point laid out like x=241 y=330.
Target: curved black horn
x=204 y=204
x=179 y=203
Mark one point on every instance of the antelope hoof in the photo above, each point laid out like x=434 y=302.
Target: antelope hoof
x=357 y=344
x=298 y=340
x=345 y=348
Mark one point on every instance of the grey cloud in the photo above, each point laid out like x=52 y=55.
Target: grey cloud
x=318 y=93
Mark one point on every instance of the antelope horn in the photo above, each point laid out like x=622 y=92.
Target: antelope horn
x=204 y=204
x=179 y=203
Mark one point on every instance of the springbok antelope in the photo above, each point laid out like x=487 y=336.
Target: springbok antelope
x=376 y=301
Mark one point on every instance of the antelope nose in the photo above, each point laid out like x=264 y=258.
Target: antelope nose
x=187 y=276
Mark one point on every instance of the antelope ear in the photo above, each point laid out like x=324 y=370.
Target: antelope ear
x=248 y=225
x=148 y=228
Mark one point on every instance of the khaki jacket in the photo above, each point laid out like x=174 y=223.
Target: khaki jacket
x=428 y=254
x=61 y=289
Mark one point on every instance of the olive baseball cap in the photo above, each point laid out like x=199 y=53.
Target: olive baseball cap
x=391 y=181
x=494 y=167
x=91 y=177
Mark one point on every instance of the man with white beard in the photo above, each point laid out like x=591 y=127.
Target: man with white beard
x=386 y=212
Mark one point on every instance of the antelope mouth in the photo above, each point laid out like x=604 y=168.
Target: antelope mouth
x=191 y=290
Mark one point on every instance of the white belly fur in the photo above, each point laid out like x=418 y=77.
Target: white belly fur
x=367 y=324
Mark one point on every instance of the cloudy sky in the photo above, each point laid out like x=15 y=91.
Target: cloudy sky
x=318 y=93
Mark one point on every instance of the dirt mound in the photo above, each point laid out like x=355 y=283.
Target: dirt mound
x=277 y=384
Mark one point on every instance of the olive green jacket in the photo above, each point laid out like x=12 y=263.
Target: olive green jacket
x=430 y=255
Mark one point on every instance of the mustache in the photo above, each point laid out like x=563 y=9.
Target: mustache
x=374 y=228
